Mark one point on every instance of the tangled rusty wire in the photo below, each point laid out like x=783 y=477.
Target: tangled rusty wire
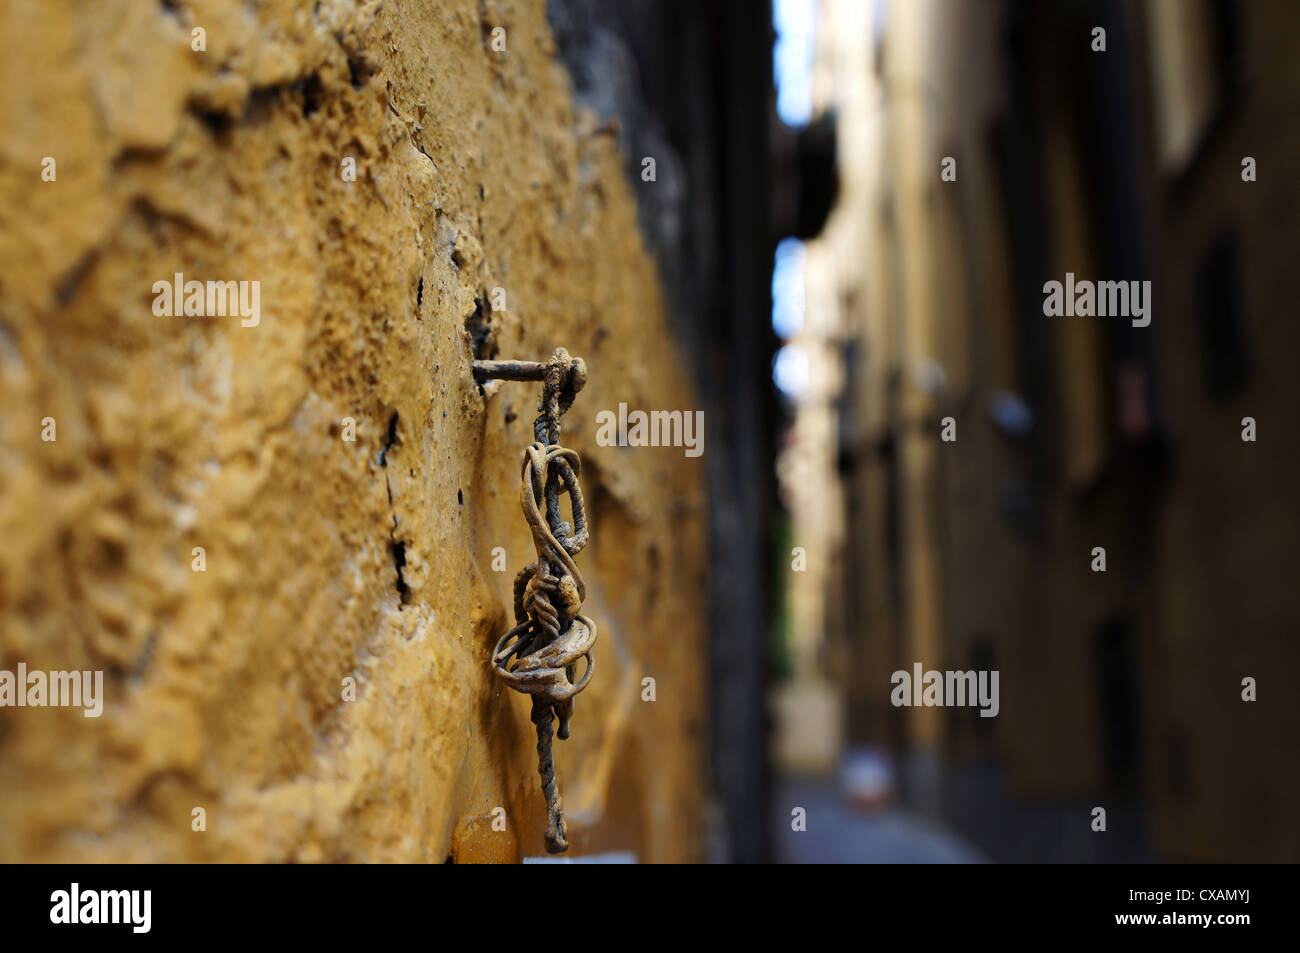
x=540 y=654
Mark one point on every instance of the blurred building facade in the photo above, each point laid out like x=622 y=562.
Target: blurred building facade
x=980 y=451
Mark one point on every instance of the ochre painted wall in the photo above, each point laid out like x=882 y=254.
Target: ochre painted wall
x=223 y=688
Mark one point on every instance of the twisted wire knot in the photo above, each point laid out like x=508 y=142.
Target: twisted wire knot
x=540 y=654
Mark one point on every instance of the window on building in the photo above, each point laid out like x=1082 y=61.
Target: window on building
x=1195 y=71
x=1224 y=358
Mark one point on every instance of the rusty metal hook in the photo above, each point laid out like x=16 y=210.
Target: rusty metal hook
x=539 y=655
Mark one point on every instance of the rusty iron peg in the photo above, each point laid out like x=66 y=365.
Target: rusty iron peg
x=509 y=371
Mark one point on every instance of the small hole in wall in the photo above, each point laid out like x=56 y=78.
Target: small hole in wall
x=399 y=561
x=216 y=122
x=419 y=293
x=390 y=442
x=460 y=498
x=450 y=859
x=311 y=90
x=479 y=326
x=359 y=71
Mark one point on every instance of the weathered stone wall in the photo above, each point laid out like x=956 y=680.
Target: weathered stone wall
x=325 y=559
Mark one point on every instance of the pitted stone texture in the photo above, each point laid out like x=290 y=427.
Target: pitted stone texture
x=325 y=559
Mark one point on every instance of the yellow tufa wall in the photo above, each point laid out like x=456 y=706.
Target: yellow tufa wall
x=224 y=688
